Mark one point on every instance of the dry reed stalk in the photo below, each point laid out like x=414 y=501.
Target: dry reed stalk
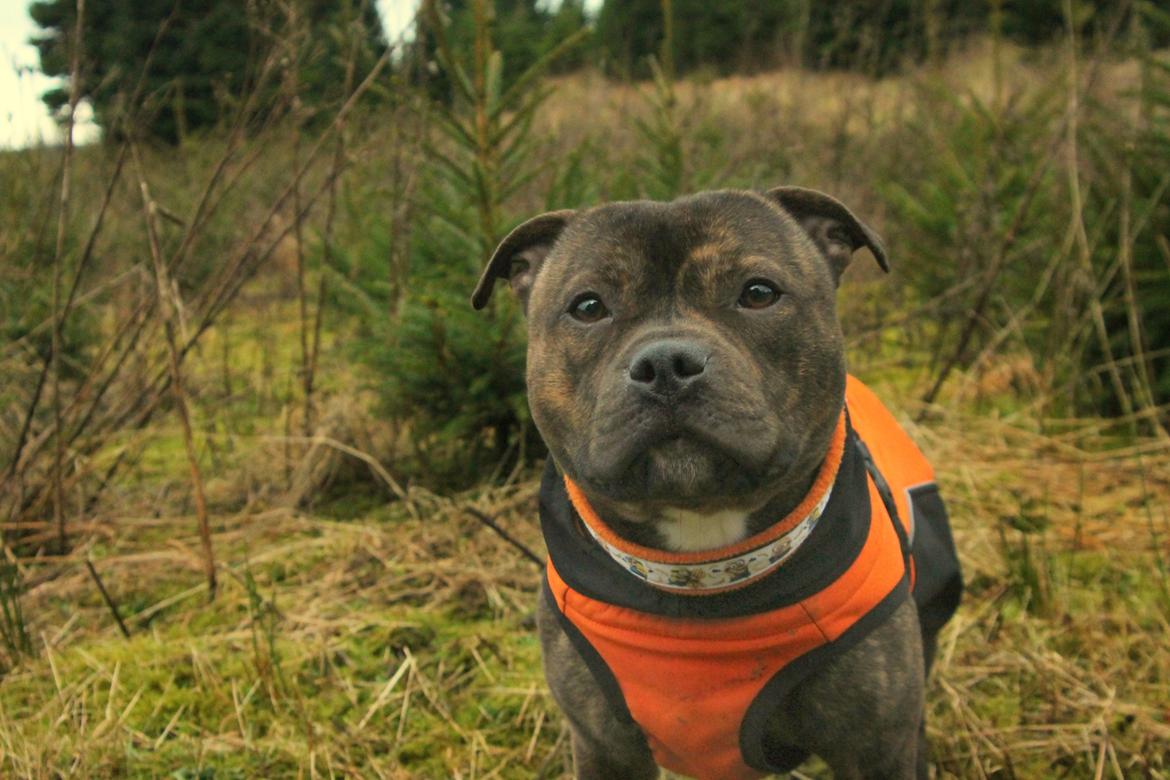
x=312 y=353
x=20 y=441
x=169 y=308
x=286 y=424
x=58 y=259
x=96 y=438
x=20 y=348
x=318 y=317
x=302 y=304
x=375 y=465
x=244 y=264
x=998 y=262
x=86 y=257
x=1083 y=255
x=125 y=345
x=225 y=355
x=70 y=300
x=1140 y=367
x=492 y=524
x=292 y=97
x=139 y=408
x=207 y=205
x=405 y=179
x=139 y=319
x=1016 y=318
x=1067 y=133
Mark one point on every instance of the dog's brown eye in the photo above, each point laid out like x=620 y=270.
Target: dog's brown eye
x=758 y=295
x=588 y=308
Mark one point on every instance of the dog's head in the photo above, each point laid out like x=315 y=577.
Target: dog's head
x=685 y=354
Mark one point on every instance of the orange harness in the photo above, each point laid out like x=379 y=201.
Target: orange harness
x=698 y=671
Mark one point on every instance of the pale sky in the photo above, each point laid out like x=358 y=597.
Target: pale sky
x=24 y=120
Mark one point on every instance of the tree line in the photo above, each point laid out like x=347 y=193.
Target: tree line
x=185 y=66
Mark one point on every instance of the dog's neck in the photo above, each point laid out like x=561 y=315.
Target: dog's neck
x=679 y=529
x=713 y=551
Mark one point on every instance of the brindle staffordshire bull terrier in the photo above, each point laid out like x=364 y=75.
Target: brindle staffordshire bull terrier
x=686 y=369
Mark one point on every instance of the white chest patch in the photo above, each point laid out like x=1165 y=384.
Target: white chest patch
x=685 y=531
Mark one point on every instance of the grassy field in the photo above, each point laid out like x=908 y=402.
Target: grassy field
x=368 y=626
x=376 y=639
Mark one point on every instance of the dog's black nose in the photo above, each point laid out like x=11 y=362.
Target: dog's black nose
x=668 y=366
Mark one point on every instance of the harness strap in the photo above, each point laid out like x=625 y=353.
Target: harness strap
x=887 y=495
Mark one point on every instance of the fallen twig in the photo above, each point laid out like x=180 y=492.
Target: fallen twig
x=106 y=596
x=490 y=523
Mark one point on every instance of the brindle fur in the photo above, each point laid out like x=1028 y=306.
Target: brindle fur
x=766 y=407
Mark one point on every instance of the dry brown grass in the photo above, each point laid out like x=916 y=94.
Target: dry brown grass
x=1056 y=664
x=399 y=644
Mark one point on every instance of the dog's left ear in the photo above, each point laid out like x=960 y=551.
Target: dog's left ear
x=832 y=226
x=519 y=256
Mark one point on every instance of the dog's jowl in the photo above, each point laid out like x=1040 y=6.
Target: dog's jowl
x=749 y=560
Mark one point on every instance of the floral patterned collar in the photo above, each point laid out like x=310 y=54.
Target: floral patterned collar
x=725 y=568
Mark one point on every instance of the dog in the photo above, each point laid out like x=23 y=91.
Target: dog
x=749 y=561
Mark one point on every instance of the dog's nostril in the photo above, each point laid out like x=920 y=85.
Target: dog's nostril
x=643 y=370
x=686 y=365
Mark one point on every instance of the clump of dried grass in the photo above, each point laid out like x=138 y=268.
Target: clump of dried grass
x=333 y=646
x=1056 y=663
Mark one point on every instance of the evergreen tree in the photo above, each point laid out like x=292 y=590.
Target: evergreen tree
x=1034 y=22
x=874 y=36
x=629 y=31
x=523 y=31
x=733 y=36
x=202 y=54
x=568 y=20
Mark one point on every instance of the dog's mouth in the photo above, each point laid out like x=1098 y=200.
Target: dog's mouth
x=685 y=467
x=674 y=463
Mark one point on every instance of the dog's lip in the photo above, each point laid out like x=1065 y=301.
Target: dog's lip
x=628 y=486
x=672 y=431
x=674 y=428
x=634 y=461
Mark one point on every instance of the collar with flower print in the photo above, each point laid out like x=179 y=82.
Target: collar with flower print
x=724 y=568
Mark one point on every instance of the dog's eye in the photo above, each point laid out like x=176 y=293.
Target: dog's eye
x=758 y=295
x=588 y=308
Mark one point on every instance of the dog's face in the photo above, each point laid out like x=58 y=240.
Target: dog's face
x=685 y=354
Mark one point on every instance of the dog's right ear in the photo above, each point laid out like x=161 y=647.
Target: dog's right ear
x=831 y=225
x=519 y=256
